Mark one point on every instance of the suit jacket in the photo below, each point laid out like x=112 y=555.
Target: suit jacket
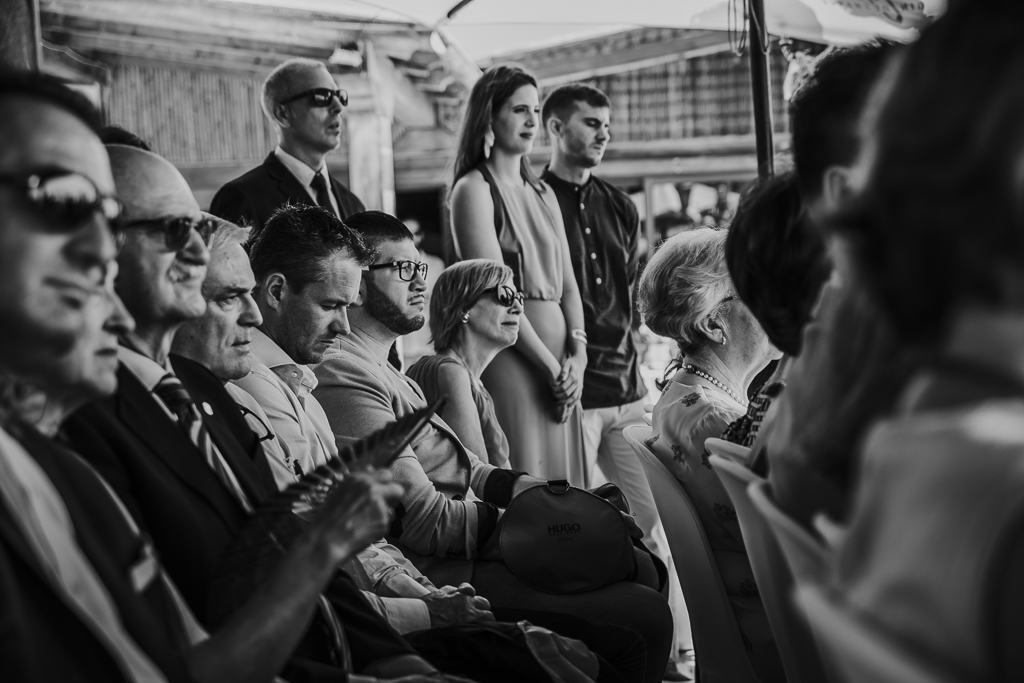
x=165 y=482
x=42 y=638
x=254 y=196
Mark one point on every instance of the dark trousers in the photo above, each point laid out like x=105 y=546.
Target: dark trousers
x=628 y=625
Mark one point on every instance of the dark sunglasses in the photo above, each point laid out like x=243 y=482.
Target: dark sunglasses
x=320 y=97
x=506 y=296
x=407 y=270
x=177 y=230
x=67 y=200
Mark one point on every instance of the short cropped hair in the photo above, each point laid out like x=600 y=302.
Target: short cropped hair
x=940 y=222
x=563 y=100
x=825 y=110
x=298 y=239
x=219 y=233
x=777 y=259
x=377 y=227
x=275 y=86
x=51 y=90
x=116 y=135
x=456 y=291
x=683 y=284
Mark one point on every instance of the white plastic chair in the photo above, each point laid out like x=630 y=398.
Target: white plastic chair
x=862 y=653
x=807 y=556
x=717 y=643
x=793 y=636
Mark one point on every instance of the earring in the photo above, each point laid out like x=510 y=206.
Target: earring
x=488 y=142
x=724 y=340
x=465 y=318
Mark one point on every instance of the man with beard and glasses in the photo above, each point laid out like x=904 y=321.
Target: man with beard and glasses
x=174 y=446
x=450 y=510
x=306 y=268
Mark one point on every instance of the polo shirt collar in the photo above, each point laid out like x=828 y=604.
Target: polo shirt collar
x=266 y=351
x=549 y=177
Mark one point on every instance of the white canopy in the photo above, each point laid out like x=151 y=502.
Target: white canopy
x=490 y=28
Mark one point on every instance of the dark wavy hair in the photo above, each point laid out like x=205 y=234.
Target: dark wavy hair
x=778 y=261
x=297 y=240
x=497 y=84
x=941 y=220
x=377 y=227
x=826 y=107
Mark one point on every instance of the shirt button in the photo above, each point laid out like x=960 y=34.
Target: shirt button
x=598 y=280
x=586 y=230
x=593 y=256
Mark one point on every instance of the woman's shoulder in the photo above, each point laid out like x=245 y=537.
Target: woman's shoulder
x=693 y=407
x=472 y=180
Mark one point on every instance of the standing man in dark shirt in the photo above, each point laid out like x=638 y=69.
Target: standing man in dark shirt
x=603 y=228
x=303 y=100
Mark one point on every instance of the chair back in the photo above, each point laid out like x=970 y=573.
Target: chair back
x=860 y=652
x=720 y=654
x=807 y=556
x=727 y=449
x=774 y=578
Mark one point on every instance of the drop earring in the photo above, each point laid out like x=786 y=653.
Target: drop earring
x=488 y=142
x=465 y=318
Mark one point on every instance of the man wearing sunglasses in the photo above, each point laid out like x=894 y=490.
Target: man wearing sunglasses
x=301 y=98
x=174 y=446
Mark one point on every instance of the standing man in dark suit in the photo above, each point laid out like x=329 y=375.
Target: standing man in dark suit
x=178 y=452
x=302 y=99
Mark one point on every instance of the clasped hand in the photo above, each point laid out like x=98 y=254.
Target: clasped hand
x=567 y=387
x=450 y=606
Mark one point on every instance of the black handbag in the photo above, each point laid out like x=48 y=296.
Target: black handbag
x=561 y=539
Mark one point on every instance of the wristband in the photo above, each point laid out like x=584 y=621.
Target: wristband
x=579 y=335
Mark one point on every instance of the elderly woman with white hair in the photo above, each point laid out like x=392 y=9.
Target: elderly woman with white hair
x=686 y=294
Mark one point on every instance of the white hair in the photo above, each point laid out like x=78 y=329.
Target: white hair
x=275 y=87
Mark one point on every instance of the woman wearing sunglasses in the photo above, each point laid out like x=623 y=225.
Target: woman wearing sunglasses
x=502 y=211
x=474 y=313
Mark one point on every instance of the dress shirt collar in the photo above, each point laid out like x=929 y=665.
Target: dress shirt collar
x=377 y=349
x=145 y=368
x=549 y=177
x=299 y=169
x=266 y=351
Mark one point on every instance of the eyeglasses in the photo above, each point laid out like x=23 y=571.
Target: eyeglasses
x=177 y=230
x=66 y=200
x=506 y=296
x=407 y=270
x=320 y=97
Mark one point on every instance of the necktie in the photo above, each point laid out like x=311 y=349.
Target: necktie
x=175 y=396
x=323 y=198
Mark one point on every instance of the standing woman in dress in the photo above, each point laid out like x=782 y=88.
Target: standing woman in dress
x=502 y=211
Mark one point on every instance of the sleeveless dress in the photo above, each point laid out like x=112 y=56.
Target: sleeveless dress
x=531 y=229
x=425 y=373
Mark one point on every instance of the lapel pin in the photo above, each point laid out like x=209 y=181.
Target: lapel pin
x=207 y=409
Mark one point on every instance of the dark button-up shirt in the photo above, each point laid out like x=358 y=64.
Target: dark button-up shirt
x=603 y=228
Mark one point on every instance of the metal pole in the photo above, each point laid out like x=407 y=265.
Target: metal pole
x=760 y=89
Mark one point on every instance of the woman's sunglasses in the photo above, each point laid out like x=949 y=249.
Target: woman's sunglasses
x=320 y=97
x=506 y=296
x=67 y=200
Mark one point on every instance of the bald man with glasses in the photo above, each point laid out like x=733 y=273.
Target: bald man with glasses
x=301 y=98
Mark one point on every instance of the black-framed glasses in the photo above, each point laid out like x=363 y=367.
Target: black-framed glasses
x=407 y=270
x=67 y=199
x=506 y=296
x=319 y=97
x=177 y=230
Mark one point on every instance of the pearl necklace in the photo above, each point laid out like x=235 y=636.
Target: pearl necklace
x=703 y=375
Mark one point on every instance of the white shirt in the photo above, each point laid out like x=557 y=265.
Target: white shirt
x=304 y=174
